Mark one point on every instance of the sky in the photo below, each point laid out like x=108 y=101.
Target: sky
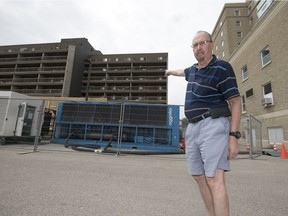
x=115 y=27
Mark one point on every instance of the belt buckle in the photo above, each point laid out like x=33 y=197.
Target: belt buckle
x=199 y=118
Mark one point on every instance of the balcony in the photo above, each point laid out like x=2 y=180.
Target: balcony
x=125 y=89
x=40 y=92
x=20 y=81
x=125 y=78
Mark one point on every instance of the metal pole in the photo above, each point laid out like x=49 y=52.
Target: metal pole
x=120 y=129
x=88 y=80
x=250 y=137
x=39 y=125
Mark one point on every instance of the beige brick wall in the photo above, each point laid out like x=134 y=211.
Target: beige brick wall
x=272 y=32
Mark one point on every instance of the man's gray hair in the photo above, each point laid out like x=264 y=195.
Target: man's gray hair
x=209 y=35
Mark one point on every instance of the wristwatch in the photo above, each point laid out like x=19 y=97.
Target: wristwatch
x=236 y=134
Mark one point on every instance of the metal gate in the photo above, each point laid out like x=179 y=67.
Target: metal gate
x=254 y=137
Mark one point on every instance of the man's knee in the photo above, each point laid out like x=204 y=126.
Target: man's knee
x=211 y=181
x=216 y=183
x=199 y=178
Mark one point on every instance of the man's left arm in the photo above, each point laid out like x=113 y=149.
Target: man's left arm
x=235 y=106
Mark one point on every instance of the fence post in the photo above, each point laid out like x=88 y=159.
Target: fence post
x=39 y=125
x=120 y=129
x=250 y=136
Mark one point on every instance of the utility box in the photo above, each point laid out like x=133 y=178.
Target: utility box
x=19 y=115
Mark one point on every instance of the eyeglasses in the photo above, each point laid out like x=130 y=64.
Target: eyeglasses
x=201 y=43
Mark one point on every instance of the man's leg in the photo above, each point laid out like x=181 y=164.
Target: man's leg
x=219 y=193
x=206 y=194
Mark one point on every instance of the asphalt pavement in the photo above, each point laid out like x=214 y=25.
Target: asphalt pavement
x=58 y=181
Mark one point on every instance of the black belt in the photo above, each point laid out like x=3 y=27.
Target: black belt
x=199 y=118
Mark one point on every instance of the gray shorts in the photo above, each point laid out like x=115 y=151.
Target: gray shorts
x=207 y=146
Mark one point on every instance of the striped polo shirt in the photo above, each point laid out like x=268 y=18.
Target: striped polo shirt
x=209 y=87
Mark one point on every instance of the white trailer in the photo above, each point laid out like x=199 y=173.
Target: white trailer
x=20 y=115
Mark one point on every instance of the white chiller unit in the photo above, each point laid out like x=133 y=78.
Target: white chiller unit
x=20 y=115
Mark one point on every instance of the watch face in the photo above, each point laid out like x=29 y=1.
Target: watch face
x=237 y=134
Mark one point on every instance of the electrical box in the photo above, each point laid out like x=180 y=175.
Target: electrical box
x=19 y=114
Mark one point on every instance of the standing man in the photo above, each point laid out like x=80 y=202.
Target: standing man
x=213 y=109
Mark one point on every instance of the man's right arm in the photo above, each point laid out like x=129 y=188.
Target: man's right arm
x=179 y=72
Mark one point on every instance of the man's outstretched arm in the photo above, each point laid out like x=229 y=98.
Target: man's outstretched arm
x=179 y=72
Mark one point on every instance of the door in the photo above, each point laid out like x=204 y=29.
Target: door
x=20 y=119
x=28 y=120
x=24 y=120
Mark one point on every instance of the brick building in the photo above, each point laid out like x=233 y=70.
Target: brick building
x=252 y=36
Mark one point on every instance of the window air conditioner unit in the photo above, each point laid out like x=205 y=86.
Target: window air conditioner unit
x=267 y=101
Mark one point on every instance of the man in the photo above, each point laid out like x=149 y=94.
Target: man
x=213 y=109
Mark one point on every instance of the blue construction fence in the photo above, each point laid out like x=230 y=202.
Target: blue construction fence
x=128 y=126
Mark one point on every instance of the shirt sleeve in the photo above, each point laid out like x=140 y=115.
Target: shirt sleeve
x=228 y=83
x=186 y=71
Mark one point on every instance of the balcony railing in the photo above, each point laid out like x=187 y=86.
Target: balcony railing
x=39 y=91
x=8 y=59
x=137 y=98
x=33 y=80
x=31 y=59
x=33 y=69
x=121 y=78
x=123 y=88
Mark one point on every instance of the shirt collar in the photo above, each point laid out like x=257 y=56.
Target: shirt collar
x=212 y=62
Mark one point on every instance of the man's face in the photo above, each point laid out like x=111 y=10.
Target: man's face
x=202 y=47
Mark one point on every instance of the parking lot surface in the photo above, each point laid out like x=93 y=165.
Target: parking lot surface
x=60 y=181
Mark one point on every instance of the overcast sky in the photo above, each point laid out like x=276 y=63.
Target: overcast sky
x=115 y=26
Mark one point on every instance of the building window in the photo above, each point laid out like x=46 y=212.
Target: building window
x=221 y=23
x=23 y=49
x=223 y=54
x=221 y=33
x=265 y=56
x=249 y=93
x=222 y=43
x=249 y=9
x=267 y=99
x=263 y=6
x=251 y=21
x=216 y=48
x=238 y=23
x=275 y=135
x=244 y=71
x=243 y=102
x=239 y=34
x=267 y=89
x=237 y=12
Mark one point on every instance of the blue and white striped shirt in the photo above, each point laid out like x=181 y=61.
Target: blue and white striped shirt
x=209 y=87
